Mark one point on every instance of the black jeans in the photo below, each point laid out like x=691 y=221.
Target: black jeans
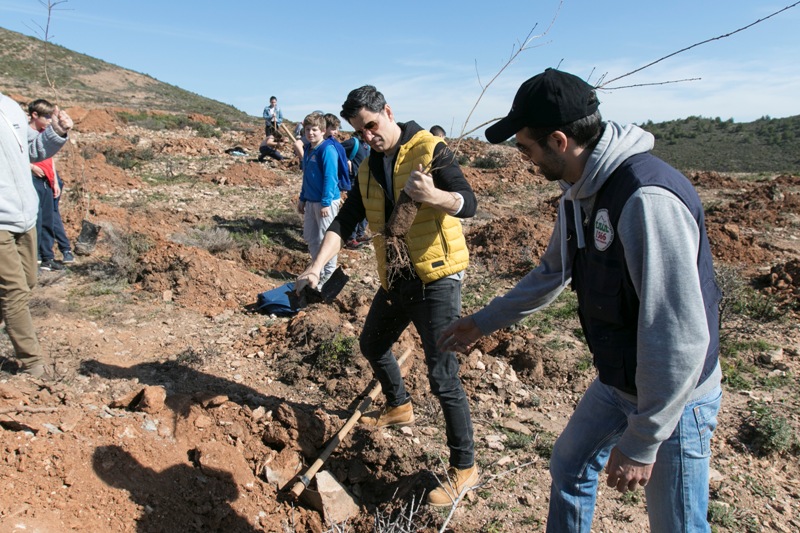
x=431 y=308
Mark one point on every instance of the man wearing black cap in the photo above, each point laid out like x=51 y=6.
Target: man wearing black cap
x=630 y=237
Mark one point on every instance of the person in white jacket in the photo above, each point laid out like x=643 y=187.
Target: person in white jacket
x=19 y=205
x=630 y=239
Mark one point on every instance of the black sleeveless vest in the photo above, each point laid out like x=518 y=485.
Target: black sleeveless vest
x=608 y=304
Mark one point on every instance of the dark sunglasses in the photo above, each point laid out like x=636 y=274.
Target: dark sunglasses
x=371 y=126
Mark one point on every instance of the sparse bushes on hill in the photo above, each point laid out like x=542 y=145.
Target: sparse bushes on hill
x=164 y=121
x=493 y=159
x=764 y=145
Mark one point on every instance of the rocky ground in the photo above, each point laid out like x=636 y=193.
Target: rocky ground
x=179 y=407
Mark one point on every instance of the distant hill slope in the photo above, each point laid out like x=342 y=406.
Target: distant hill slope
x=764 y=145
x=89 y=82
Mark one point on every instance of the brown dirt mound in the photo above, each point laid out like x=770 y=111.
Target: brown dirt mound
x=194 y=146
x=89 y=171
x=711 y=180
x=510 y=246
x=194 y=278
x=730 y=244
x=247 y=173
x=784 y=282
x=205 y=119
x=93 y=120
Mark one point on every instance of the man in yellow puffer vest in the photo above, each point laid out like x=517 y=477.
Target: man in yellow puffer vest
x=404 y=157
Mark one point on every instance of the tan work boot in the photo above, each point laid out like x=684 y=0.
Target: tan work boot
x=402 y=415
x=453 y=486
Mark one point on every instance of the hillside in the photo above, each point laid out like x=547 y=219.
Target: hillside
x=178 y=406
x=84 y=81
x=765 y=145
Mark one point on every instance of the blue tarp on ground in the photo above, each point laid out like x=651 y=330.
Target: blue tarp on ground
x=276 y=301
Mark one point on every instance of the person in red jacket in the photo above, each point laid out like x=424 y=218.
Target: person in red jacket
x=48 y=184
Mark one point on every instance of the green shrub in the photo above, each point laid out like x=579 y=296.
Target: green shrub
x=766 y=431
x=335 y=354
x=494 y=159
x=721 y=514
x=129 y=159
x=214 y=240
x=126 y=251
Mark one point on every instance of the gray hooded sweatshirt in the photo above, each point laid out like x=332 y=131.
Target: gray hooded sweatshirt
x=662 y=261
x=19 y=145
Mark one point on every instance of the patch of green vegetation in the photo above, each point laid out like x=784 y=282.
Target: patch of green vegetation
x=777 y=381
x=632 y=497
x=735 y=373
x=335 y=354
x=585 y=363
x=543 y=446
x=720 y=514
x=515 y=440
x=476 y=295
x=484 y=494
x=129 y=159
x=554 y=316
x=215 y=240
x=494 y=525
x=735 y=348
x=532 y=520
x=126 y=251
x=497 y=506
x=766 y=431
x=493 y=159
x=742 y=300
x=758 y=488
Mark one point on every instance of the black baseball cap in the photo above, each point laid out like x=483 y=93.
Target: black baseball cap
x=552 y=98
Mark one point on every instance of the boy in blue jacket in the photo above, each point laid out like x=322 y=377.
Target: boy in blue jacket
x=319 y=196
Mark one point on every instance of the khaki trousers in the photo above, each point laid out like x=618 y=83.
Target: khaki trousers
x=18 y=269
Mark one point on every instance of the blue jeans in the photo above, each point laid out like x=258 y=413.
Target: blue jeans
x=677 y=493
x=44 y=220
x=431 y=308
x=359 y=231
x=59 y=234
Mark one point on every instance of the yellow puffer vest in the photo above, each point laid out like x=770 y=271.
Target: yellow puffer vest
x=436 y=243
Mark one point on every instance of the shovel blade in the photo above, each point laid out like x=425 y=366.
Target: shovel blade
x=330 y=290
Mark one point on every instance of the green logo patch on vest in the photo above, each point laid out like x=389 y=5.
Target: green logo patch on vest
x=603 y=232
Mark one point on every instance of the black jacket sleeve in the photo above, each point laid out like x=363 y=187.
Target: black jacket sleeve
x=447 y=176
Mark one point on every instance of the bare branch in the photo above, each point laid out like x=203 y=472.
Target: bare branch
x=599 y=86
x=524 y=45
x=648 y=84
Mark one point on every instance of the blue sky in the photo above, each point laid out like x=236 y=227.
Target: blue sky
x=430 y=59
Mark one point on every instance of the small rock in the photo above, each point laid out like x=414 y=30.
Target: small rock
x=152 y=399
x=773 y=356
x=203 y=421
x=516 y=426
x=281 y=468
x=337 y=504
